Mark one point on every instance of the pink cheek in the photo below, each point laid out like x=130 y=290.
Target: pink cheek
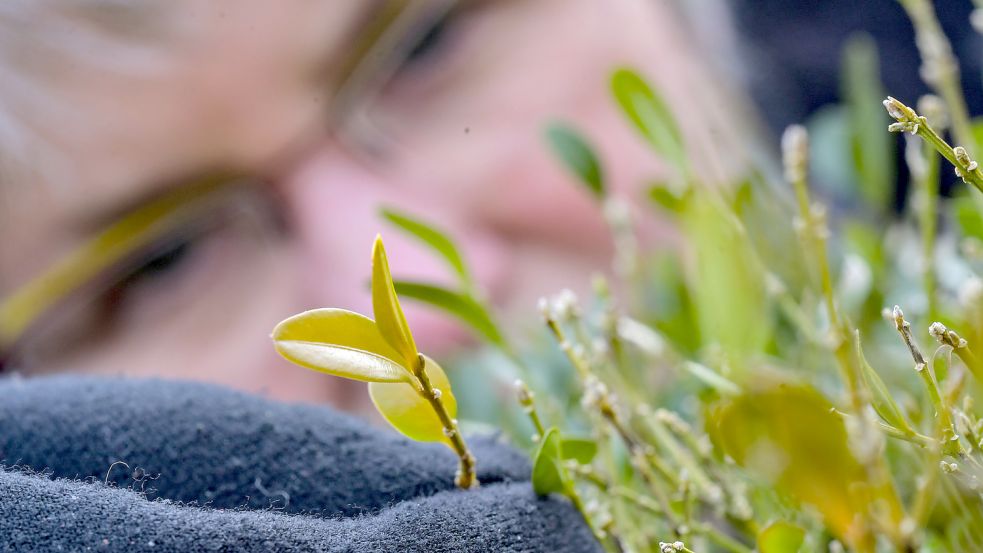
x=333 y=208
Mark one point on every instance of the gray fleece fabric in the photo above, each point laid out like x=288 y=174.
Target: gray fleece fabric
x=112 y=465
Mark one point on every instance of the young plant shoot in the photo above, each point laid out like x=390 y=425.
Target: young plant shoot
x=409 y=389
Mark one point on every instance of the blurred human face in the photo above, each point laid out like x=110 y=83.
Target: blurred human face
x=453 y=137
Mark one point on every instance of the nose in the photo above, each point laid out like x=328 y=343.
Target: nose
x=333 y=202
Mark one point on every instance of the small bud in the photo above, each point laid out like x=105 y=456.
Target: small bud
x=544 y=309
x=962 y=156
x=795 y=153
x=938 y=331
x=898 y=317
x=948 y=468
x=523 y=393
x=895 y=108
x=437 y=393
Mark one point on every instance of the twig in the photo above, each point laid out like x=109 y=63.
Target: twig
x=466 y=476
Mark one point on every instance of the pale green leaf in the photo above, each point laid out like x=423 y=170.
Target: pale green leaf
x=388 y=314
x=409 y=412
x=548 y=475
x=436 y=239
x=581 y=450
x=577 y=155
x=781 y=537
x=711 y=378
x=880 y=397
x=462 y=306
x=341 y=343
x=727 y=285
x=650 y=115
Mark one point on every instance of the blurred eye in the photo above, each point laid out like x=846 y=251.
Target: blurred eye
x=166 y=262
x=432 y=42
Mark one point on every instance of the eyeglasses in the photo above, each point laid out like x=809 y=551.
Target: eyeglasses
x=85 y=304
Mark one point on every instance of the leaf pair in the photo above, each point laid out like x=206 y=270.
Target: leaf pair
x=381 y=352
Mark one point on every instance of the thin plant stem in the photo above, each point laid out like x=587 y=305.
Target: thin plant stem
x=950 y=443
x=916 y=438
x=466 y=476
x=924 y=167
x=795 y=153
x=940 y=70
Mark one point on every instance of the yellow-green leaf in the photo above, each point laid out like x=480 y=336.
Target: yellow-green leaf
x=409 y=412
x=341 y=343
x=781 y=537
x=787 y=435
x=548 y=476
x=388 y=314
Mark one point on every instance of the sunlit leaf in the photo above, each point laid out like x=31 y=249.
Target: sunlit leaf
x=873 y=149
x=341 y=343
x=388 y=314
x=581 y=450
x=781 y=537
x=438 y=241
x=880 y=399
x=459 y=305
x=409 y=412
x=787 y=435
x=650 y=115
x=548 y=475
x=577 y=156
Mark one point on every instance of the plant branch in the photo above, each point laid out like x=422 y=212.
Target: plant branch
x=950 y=442
x=466 y=476
x=907 y=120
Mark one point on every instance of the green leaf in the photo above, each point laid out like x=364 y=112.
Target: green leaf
x=409 y=412
x=726 y=282
x=781 y=537
x=669 y=199
x=341 y=343
x=438 y=241
x=388 y=314
x=786 y=435
x=462 y=306
x=880 y=397
x=578 y=156
x=872 y=148
x=650 y=115
x=967 y=214
x=548 y=474
x=581 y=450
